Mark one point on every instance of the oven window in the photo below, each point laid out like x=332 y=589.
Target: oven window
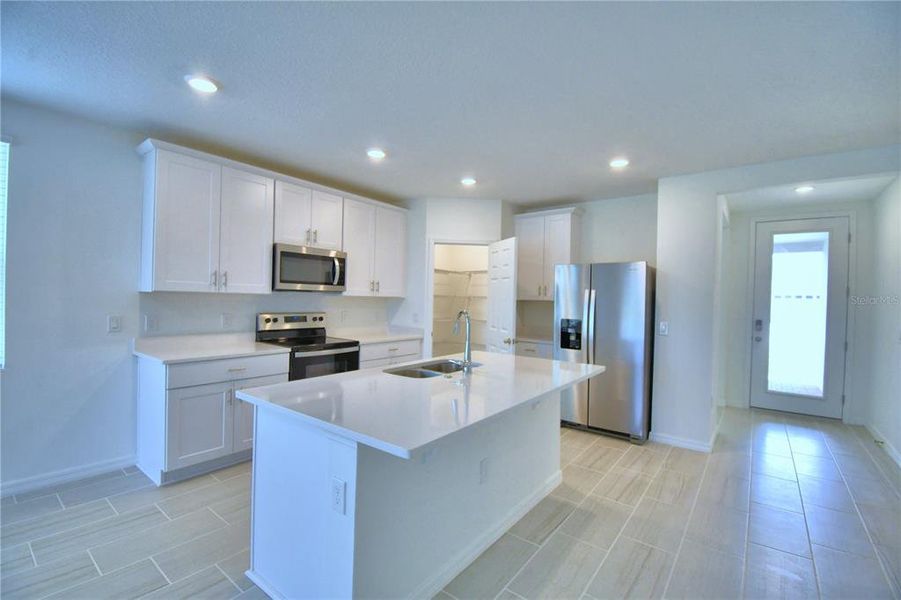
x=306 y=268
x=316 y=366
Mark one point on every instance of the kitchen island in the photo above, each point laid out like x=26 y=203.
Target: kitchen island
x=371 y=484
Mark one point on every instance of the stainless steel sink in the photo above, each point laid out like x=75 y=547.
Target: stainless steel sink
x=432 y=368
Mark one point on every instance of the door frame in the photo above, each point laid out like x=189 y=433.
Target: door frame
x=850 y=409
x=429 y=304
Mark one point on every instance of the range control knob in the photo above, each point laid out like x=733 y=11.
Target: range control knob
x=268 y=320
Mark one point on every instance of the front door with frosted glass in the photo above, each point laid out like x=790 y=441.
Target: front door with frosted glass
x=800 y=312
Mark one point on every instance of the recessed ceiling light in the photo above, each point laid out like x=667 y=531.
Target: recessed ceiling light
x=804 y=189
x=375 y=154
x=619 y=163
x=202 y=84
x=468 y=181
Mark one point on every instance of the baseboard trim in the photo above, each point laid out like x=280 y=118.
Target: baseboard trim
x=261 y=583
x=455 y=566
x=679 y=442
x=36 y=482
x=886 y=445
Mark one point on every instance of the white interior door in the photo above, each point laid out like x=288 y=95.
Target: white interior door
x=800 y=313
x=245 y=243
x=501 y=296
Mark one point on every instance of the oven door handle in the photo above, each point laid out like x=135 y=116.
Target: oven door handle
x=327 y=352
x=337 y=271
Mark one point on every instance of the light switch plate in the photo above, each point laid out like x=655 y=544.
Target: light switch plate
x=113 y=323
x=663 y=328
x=339 y=490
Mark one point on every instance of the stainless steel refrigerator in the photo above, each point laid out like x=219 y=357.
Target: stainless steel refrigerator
x=604 y=315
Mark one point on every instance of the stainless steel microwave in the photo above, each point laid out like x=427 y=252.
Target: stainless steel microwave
x=305 y=269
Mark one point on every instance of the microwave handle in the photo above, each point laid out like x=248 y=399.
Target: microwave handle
x=337 y=271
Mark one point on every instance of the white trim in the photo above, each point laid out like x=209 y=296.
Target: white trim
x=564 y=210
x=457 y=564
x=886 y=445
x=36 y=482
x=672 y=440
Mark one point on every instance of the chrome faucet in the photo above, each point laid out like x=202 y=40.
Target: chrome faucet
x=467 y=349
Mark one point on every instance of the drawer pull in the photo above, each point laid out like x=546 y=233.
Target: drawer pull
x=395 y=349
x=237 y=369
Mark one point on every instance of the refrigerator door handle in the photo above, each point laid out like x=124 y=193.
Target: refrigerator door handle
x=591 y=308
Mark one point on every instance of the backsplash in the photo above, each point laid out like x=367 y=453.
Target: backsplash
x=175 y=313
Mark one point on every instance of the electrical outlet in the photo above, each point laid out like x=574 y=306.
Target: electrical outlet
x=663 y=328
x=339 y=488
x=483 y=470
x=151 y=323
x=113 y=323
x=343 y=315
x=227 y=320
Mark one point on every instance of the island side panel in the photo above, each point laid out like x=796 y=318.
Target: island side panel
x=302 y=545
x=419 y=522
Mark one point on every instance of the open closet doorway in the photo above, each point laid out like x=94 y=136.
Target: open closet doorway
x=459 y=281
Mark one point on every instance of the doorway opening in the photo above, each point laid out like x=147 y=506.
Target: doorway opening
x=459 y=282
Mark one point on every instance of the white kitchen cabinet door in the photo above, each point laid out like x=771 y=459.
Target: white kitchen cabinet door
x=359 y=241
x=293 y=209
x=245 y=255
x=327 y=215
x=243 y=419
x=530 y=258
x=198 y=423
x=390 y=252
x=184 y=226
x=557 y=248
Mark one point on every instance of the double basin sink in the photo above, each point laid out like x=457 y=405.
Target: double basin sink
x=434 y=368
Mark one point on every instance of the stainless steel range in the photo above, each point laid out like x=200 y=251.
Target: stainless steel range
x=313 y=353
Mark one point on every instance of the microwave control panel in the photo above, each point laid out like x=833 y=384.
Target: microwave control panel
x=571 y=334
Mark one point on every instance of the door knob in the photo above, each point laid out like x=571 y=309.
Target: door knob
x=508 y=341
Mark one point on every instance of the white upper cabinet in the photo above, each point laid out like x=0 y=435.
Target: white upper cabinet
x=307 y=217
x=180 y=247
x=375 y=239
x=545 y=239
x=245 y=243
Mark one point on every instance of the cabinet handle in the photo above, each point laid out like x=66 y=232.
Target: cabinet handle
x=378 y=286
x=308 y=236
x=214 y=279
x=539 y=289
x=225 y=280
x=371 y=285
x=237 y=369
x=532 y=350
x=315 y=235
x=393 y=349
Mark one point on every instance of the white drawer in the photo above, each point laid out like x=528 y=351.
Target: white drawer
x=389 y=349
x=226 y=369
x=378 y=362
x=527 y=349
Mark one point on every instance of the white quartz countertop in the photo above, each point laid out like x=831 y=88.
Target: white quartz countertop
x=378 y=336
x=399 y=415
x=171 y=349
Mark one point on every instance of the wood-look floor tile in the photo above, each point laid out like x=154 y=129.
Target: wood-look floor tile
x=643 y=460
x=597 y=521
x=770 y=573
x=843 y=575
x=234 y=509
x=49 y=578
x=102 y=489
x=891 y=558
x=569 y=452
x=838 y=530
x=771 y=440
x=577 y=438
x=54 y=523
x=703 y=573
x=822 y=467
x=253 y=593
x=131 y=469
x=204 y=551
x=657 y=524
x=133 y=581
x=632 y=570
x=69 y=485
x=30 y=509
x=686 y=461
x=873 y=491
x=197 y=499
x=674 y=487
x=883 y=523
x=598 y=457
x=15 y=558
x=234 y=568
x=780 y=493
x=95 y=534
x=734 y=465
x=861 y=467
x=209 y=584
x=168 y=534
x=577 y=483
x=146 y=496
x=733 y=492
x=561 y=569
x=233 y=471
x=623 y=486
x=773 y=465
x=825 y=493
x=719 y=527
x=780 y=529
x=7 y=500
x=542 y=520
x=492 y=570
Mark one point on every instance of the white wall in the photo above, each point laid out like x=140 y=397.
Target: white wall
x=884 y=414
x=460 y=257
x=684 y=409
x=619 y=229
x=738 y=303
x=74 y=236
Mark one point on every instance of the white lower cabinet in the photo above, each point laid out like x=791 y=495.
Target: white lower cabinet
x=187 y=430
x=385 y=354
x=536 y=349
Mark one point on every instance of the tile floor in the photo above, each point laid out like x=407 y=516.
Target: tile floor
x=785 y=506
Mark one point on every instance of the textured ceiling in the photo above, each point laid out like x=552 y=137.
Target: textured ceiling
x=852 y=189
x=532 y=99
